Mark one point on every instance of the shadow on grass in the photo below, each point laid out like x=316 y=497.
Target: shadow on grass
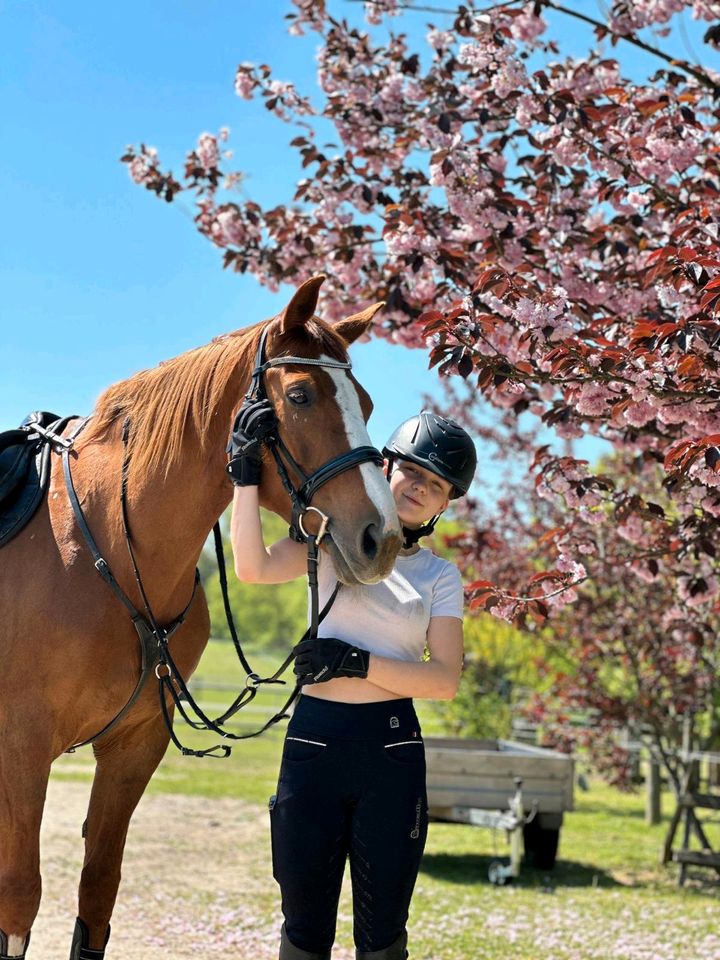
x=473 y=868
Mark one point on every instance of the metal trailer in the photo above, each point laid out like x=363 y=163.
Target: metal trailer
x=516 y=787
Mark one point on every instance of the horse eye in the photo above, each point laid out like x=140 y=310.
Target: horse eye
x=298 y=396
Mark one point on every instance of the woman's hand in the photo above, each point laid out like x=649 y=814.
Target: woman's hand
x=255 y=423
x=326 y=658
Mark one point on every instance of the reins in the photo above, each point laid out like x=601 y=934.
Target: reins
x=155 y=653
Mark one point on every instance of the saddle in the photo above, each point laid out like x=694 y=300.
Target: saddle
x=25 y=468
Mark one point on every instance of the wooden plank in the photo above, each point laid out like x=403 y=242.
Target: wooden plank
x=493 y=800
x=494 y=796
x=460 y=743
x=704 y=800
x=494 y=746
x=512 y=746
x=511 y=765
x=455 y=781
x=699 y=858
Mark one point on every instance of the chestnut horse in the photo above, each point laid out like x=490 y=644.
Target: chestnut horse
x=69 y=650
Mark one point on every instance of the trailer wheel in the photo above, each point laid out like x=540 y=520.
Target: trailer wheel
x=496 y=874
x=541 y=845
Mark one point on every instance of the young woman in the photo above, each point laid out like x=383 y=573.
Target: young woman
x=352 y=779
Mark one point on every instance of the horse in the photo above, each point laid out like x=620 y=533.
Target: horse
x=70 y=652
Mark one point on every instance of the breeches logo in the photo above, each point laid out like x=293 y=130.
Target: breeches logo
x=415 y=832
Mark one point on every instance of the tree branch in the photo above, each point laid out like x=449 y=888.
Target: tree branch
x=402 y=5
x=637 y=42
x=632 y=38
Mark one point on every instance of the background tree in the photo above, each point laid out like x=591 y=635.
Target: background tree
x=620 y=658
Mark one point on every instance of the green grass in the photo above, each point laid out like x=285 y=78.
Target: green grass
x=608 y=896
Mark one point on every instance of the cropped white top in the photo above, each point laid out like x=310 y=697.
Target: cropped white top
x=391 y=617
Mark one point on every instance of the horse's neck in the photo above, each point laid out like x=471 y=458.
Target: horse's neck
x=171 y=517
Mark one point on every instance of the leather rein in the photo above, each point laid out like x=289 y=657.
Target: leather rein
x=155 y=653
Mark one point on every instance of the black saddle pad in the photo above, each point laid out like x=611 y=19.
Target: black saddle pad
x=25 y=471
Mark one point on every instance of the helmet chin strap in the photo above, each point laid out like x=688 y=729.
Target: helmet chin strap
x=411 y=536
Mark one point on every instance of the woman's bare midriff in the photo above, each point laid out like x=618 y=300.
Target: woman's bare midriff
x=349 y=690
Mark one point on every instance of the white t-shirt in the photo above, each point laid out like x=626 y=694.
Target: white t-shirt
x=391 y=618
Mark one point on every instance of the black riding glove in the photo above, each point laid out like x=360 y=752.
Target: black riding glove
x=255 y=422
x=327 y=657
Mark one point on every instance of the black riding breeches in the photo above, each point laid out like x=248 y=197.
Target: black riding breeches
x=352 y=785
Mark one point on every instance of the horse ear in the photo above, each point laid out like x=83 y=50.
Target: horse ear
x=353 y=327
x=302 y=306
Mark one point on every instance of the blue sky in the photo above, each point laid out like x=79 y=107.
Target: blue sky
x=98 y=278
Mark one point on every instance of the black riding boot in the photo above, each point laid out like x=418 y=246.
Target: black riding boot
x=288 y=950
x=4 y=955
x=396 y=951
x=81 y=938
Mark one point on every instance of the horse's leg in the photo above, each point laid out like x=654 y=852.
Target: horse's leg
x=25 y=758
x=125 y=763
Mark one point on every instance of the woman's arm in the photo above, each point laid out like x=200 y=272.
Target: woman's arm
x=254 y=562
x=433 y=679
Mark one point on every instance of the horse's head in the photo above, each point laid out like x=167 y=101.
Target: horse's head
x=322 y=413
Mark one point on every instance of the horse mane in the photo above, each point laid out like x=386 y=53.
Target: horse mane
x=190 y=389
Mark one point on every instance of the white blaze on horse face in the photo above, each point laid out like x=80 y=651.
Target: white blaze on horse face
x=376 y=486
x=16 y=946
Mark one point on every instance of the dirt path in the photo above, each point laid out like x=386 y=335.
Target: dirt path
x=197 y=881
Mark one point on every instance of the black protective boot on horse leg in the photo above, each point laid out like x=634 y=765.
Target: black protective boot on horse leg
x=4 y=946
x=288 y=950
x=80 y=949
x=396 y=951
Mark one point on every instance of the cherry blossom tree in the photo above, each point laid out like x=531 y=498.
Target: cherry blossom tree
x=622 y=656
x=546 y=228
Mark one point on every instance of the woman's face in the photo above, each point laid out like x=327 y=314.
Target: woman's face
x=419 y=494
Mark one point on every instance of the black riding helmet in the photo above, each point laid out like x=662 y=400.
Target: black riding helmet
x=439 y=445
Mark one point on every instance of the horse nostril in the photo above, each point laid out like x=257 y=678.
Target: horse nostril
x=369 y=541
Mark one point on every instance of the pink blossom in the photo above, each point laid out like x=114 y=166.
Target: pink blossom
x=565 y=564
x=142 y=166
x=696 y=592
x=528 y=27
x=593 y=399
x=632 y=529
x=245 y=82
x=504 y=611
x=440 y=39
x=232 y=226
x=643 y=572
x=207 y=151
x=562 y=599
x=377 y=9
x=477 y=56
x=511 y=75
x=638 y=414
x=405 y=239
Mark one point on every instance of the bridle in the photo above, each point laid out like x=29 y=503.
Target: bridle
x=302 y=495
x=155 y=654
